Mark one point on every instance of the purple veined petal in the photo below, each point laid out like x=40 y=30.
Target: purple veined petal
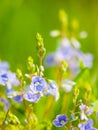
x=32 y=97
x=60 y=120
x=62 y=117
x=57 y=123
x=38 y=84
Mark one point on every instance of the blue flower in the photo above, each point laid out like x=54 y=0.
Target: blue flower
x=50 y=60
x=3 y=78
x=52 y=89
x=87 y=125
x=88 y=60
x=18 y=98
x=12 y=79
x=4 y=66
x=38 y=84
x=32 y=97
x=60 y=120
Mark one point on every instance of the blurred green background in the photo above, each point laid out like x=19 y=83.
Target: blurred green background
x=20 y=20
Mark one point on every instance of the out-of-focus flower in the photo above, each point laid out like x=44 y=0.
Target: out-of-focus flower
x=18 y=98
x=6 y=103
x=11 y=93
x=3 y=78
x=38 y=84
x=32 y=97
x=50 y=60
x=70 y=52
x=67 y=85
x=75 y=43
x=4 y=66
x=87 y=60
x=87 y=126
x=64 y=42
x=53 y=89
x=55 y=33
x=12 y=79
x=83 y=34
x=60 y=120
x=85 y=111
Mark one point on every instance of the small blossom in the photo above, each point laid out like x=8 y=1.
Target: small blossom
x=87 y=125
x=67 y=85
x=4 y=66
x=60 y=120
x=32 y=97
x=18 y=98
x=12 y=79
x=38 y=84
x=52 y=89
x=85 y=111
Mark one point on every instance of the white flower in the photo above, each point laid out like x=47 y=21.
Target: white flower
x=55 y=33
x=67 y=85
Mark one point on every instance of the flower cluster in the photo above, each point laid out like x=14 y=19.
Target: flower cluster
x=68 y=49
x=40 y=87
x=31 y=100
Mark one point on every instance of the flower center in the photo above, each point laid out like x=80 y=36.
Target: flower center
x=62 y=122
x=37 y=83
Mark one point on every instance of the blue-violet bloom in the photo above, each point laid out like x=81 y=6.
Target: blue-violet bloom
x=60 y=120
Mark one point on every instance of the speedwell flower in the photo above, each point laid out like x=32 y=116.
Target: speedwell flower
x=53 y=89
x=60 y=120
x=32 y=97
x=38 y=84
x=87 y=126
x=85 y=111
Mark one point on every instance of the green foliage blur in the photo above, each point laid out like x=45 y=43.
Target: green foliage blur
x=20 y=20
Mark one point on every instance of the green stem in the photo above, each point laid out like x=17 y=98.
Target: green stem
x=5 y=117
